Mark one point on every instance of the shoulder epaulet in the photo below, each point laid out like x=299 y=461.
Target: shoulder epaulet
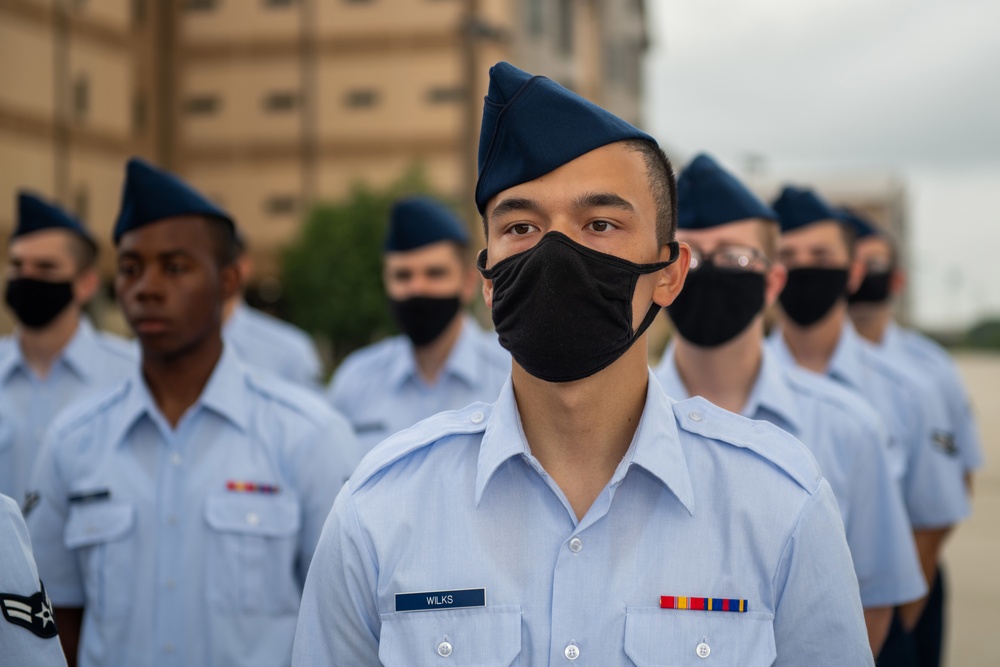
x=833 y=393
x=81 y=411
x=697 y=415
x=285 y=392
x=470 y=419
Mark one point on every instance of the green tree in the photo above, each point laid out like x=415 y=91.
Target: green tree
x=332 y=272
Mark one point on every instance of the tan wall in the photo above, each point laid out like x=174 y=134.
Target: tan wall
x=26 y=66
x=109 y=74
x=402 y=83
x=399 y=17
x=25 y=162
x=98 y=177
x=242 y=19
x=241 y=87
x=115 y=14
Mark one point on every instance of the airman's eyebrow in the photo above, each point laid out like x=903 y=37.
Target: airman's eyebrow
x=603 y=200
x=515 y=204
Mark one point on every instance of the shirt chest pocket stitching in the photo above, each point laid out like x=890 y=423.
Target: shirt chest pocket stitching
x=252 y=552
x=99 y=534
x=475 y=637
x=655 y=636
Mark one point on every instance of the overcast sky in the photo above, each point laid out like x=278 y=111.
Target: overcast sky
x=912 y=86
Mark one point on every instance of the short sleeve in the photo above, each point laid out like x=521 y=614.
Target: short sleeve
x=338 y=620
x=818 y=618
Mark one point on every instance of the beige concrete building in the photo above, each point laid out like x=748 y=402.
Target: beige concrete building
x=270 y=104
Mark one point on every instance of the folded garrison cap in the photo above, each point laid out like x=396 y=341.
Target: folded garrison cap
x=532 y=125
x=798 y=207
x=151 y=194
x=862 y=228
x=35 y=214
x=708 y=195
x=418 y=221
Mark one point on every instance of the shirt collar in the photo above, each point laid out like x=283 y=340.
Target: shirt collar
x=462 y=361
x=78 y=355
x=846 y=364
x=770 y=390
x=891 y=338
x=225 y=394
x=655 y=447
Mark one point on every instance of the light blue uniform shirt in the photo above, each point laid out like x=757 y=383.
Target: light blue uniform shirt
x=274 y=345
x=914 y=350
x=380 y=390
x=850 y=445
x=703 y=504
x=930 y=478
x=157 y=533
x=91 y=361
x=22 y=601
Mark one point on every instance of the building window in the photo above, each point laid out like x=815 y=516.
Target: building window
x=361 y=98
x=138 y=12
x=275 y=4
x=140 y=112
x=81 y=203
x=81 y=96
x=535 y=15
x=199 y=5
x=281 y=101
x=357 y=2
x=445 y=94
x=565 y=35
x=201 y=105
x=281 y=205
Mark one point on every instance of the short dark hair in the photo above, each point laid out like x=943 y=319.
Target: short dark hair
x=224 y=238
x=83 y=251
x=662 y=185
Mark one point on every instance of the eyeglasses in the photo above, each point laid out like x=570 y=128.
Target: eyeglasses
x=732 y=257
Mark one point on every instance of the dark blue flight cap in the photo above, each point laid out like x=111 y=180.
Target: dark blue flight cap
x=35 y=214
x=708 y=195
x=532 y=125
x=798 y=207
x=862 y=228
x=418 y=221
x=151 y=195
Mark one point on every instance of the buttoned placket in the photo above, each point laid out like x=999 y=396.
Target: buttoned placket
x=170 y=485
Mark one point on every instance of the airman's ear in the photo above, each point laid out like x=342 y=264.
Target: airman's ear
x=670 y=280
x=774 y=282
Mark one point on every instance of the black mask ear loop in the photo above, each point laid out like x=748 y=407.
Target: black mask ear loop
x=654 y=308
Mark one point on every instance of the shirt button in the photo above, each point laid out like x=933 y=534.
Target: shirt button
x=168 y=648
x=171 y=584
x=477 y=417
x=572 y=652
x=172 y=520
x=175 y=459
x=252 y=519
x=695 y=416
x=444 y=649
x=575 y=545
x=703 y=650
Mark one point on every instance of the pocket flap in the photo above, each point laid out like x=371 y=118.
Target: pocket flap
x=267 y=516
x=95 y=523
x=656 y=636
x=481 y=637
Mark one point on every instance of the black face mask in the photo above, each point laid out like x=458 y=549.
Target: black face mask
x=716 y=305
x=424 y=318
x=810 y=293
x=873 y=289
x=37 y=302
x=564 y=311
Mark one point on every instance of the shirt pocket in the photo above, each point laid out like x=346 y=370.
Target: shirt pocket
x=102 y=535
x=480 y=637
x=679 y=638
x=252 y=554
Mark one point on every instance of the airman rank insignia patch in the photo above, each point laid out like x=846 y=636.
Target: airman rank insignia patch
x=252 y=487
x=703 y=604
x=945 y=442
x=32 y=613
